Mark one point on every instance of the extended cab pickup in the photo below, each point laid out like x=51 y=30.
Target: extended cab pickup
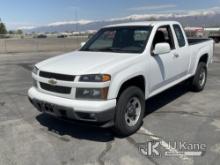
x=109 y=78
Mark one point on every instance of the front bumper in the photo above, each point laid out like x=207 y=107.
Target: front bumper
x=84 y=110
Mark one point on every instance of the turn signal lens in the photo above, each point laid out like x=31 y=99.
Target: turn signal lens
x=106 y=77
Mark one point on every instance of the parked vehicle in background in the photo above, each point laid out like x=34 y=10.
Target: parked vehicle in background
x=41 y=36
x=4 y=36
x=213 y=33
x=107 y=81
x=62 y=36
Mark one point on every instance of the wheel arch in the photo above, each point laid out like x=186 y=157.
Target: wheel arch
x=126 y=78
x=138 y=81
x=202 y=56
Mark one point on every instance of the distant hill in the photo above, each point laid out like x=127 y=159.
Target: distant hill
x=201 y=19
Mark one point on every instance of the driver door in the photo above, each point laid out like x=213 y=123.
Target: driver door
x=162 y=66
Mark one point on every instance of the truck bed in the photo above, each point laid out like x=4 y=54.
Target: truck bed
x=193 y=41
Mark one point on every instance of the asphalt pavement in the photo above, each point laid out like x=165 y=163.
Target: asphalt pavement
x=177 y=116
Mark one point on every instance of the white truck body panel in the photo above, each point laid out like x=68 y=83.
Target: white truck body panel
x=160 y=72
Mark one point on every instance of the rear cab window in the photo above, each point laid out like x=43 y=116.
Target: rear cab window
x=179 y=35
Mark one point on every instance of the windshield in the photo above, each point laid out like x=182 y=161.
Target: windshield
x=119 y=39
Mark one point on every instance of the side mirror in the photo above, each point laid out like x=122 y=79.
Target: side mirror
x=82 y=44
x=162 y=48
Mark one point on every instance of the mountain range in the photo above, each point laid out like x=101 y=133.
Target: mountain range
x=195 y=19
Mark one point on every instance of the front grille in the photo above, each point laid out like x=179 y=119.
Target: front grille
x=56 y=89
x=57 y=76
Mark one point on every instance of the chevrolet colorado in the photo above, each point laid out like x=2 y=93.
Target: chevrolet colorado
x=109 y=78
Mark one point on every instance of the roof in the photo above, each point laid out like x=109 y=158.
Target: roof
x=145 y=23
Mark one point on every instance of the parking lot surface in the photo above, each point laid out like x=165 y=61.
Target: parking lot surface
x=177 y=115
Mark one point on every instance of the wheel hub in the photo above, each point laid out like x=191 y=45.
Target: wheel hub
x=133 y=111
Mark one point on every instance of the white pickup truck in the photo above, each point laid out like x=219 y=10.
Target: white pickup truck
x=108 y=79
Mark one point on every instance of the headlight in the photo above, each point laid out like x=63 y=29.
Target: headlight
x=92 y=93
x=35 y=70
x=95 y=78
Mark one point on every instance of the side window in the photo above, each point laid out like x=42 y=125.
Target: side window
x=179 y=35
x=164 y=34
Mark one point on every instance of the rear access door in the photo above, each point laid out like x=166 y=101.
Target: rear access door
x=182 y=52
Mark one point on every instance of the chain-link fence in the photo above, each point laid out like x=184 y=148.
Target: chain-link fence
x=20 y=44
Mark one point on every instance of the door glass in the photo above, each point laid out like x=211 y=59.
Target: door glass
x=179 y=35
x=164 y=34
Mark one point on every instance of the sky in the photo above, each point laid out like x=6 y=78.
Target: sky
x=28 y=13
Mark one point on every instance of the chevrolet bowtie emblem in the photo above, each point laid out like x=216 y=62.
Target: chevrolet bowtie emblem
x=52 y=82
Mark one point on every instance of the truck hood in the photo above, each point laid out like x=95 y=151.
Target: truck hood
x=82 y=62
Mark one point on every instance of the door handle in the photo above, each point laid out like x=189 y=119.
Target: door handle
x=176 y=55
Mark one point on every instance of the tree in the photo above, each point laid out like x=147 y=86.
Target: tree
x=152 y=19
x=2 y=28
x=19 y=31
x=11 y=32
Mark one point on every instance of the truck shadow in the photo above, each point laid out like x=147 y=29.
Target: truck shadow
x=74 y=129
x=155 y=103
x=87 y=132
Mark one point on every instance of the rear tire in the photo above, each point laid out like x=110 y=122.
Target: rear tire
x=198 y=82
x=129 y=111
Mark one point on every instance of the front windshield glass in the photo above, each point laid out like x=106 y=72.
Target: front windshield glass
x=119 y=39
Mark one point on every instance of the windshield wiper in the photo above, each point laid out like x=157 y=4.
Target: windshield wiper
x=102 y=49
x=110 y=49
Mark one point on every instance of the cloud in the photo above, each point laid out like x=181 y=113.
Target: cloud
x=73 y=7
x=153 y=7
x=20 y=25
x=166 y=14
x=170 y=14
x=26 y=27
x=82 y=22
x=213 y=10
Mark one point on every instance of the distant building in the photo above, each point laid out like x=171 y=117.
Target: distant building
x=213 y=33
x=195 y=31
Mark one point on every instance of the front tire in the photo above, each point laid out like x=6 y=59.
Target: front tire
x=129 y=111
x=199 y=80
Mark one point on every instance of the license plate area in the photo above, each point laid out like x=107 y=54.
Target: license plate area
x=48 y=107
x=54 y=109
